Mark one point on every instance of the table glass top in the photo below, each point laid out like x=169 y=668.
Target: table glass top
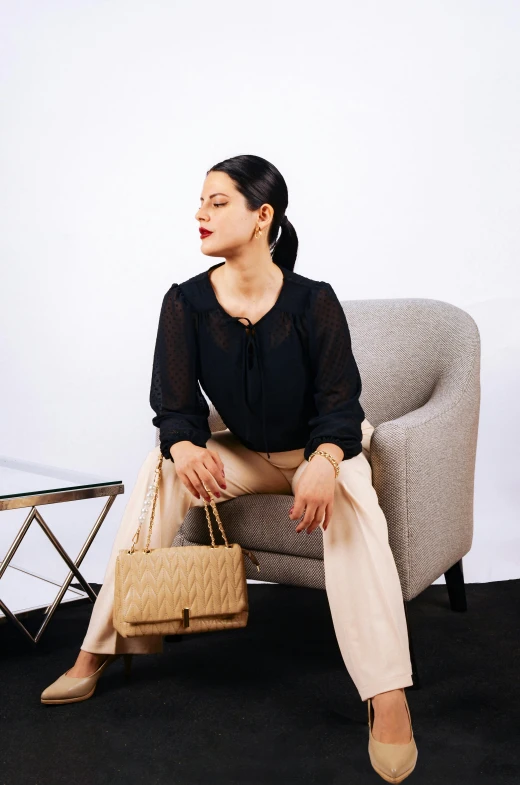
x=25 y=478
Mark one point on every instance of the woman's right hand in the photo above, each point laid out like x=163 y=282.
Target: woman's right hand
x=198 y=466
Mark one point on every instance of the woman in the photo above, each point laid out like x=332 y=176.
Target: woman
x=286 y=383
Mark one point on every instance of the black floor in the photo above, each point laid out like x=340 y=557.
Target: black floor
x=268 y=703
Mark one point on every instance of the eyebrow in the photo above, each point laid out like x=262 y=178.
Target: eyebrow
x=212 y=195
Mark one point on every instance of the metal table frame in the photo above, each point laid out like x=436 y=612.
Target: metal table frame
x=87 y=491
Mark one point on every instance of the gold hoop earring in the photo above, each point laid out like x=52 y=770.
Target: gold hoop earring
x=258 y=231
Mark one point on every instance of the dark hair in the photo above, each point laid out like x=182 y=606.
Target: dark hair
x=260 y=182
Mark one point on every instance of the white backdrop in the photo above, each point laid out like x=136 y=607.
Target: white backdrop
x=396 y=127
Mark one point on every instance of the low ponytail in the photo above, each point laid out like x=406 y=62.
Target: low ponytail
x=285 y=248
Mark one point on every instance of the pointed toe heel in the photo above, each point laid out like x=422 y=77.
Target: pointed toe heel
x=71 y=689
x=393 y=762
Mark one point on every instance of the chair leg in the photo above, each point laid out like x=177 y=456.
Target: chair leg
x=415 y=675
x=456 y=588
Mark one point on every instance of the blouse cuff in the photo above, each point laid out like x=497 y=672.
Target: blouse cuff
x=189 y=436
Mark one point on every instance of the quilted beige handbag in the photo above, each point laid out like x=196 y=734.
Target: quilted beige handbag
x=181 y=589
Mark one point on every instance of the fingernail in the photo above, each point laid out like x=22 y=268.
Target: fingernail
x=217 y=493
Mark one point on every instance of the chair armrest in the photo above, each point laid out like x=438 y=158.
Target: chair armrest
x=423 y=470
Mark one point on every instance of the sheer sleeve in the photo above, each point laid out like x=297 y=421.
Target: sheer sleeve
x=337 y=382
x=175 y=395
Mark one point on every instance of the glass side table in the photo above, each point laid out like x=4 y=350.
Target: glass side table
x=27 y=484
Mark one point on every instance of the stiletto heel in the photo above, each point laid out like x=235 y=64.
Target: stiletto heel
x=71 y=689
x=128 y=663
x=393 y=762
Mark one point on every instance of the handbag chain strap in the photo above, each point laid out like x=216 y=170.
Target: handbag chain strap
x=155 y=487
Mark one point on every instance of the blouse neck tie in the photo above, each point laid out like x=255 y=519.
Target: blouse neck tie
x=252 y=342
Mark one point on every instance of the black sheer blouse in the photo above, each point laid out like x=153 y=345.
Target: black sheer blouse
x=287 y=381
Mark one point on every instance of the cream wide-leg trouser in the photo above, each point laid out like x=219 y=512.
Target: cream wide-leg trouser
x=361 y=579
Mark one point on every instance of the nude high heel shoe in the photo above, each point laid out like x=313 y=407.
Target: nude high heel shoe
x=71 y=689
x=393 y=762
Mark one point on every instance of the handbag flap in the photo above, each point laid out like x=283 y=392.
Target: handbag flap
x=158 y=585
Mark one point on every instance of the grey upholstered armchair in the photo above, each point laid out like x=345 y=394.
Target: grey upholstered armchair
x=419 y=361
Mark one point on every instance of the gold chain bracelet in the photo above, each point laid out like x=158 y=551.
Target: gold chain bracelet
x=327 y=455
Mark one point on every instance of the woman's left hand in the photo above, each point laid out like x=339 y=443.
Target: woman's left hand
x=315 y=494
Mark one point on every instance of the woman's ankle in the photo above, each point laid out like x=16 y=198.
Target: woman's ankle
x=89 y=658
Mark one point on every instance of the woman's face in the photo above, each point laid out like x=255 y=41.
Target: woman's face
x=224 y=213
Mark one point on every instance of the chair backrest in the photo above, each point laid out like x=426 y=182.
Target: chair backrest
x=407 y=351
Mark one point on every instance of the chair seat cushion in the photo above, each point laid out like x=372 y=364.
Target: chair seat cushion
x=256 y=521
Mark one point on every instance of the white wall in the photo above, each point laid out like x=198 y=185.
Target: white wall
x=396 y=127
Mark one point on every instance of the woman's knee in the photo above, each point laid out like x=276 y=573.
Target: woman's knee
x=367 y=429
x=355 y=476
